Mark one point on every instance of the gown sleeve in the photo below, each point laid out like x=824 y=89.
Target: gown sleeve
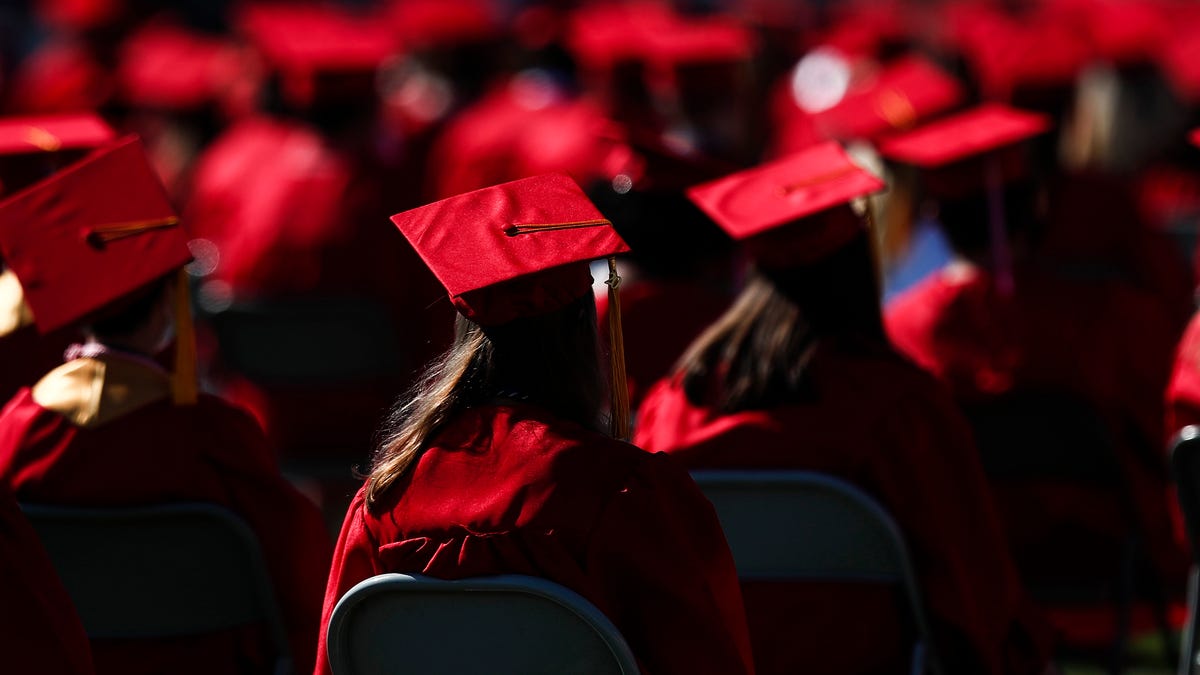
x=354 y=559
x=931 y=480
x=663 y=570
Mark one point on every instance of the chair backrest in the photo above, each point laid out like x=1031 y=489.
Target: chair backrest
x=836 y=533
x=1185 y=467
x=506 y=624
x=160 y=571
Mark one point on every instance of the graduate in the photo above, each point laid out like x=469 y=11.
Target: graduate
x=1004 y=321
x=32 y=148
x=797 y=374
x=98 y=246
x=500 y=460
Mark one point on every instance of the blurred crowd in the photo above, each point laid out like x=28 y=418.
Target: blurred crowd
x=1048 y=284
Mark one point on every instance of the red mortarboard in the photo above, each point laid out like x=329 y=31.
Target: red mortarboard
x=961 y=154
x=802 y=192
x=977 y=131
x=305 y=41
x=513 y=250
x=53 y=133
x=91 y=235
x=437 y=23
x=905 y=92
x=164 y=66
x=59 y=77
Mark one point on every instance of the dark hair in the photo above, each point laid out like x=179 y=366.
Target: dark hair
x=128 y=315
x=756 y=355
x=966 y=220
x=551 y=360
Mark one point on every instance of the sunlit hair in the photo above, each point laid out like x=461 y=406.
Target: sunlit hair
x=551 y=361
x=756 y=355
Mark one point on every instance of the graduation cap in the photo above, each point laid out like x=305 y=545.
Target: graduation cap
x=93 y=235
x=975 y=152
x=895 y=99
x=792 y=211
x=38 y=134
x=956 y=154
x=168 y=67
x=321 y=53
x=32 y=147
x=519 y=250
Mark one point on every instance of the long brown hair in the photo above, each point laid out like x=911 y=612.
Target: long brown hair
x=551 y=360
x=756 y=355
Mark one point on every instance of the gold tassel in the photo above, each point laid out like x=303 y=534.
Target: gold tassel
x=183 y=384
x=103 y=234
x=532 y=228
x=616 y=341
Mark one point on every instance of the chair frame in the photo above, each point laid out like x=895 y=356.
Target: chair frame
x=853 y=501
x=1185 y=464
x=338 y=632
x=160 y=539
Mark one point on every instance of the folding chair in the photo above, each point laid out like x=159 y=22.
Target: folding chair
x=504 y=625
x=161 y=571
x=1047 y=435
x=837 y=533
x=1185 y=465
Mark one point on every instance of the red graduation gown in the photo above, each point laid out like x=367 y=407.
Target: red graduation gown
x=39 y=630
x=1104 y=341
x=509 y=489
x=883 y=425
x=137 y=448
x=1183 y=394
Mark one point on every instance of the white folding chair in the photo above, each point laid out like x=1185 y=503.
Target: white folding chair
x=805 y=526
x=161 y=571
x=1185 y=465
x=507 y=624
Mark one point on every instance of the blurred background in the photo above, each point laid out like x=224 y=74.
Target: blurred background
x=288 y=133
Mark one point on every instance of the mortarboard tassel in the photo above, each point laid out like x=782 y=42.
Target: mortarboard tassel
x=616 y=340
x=1001 y=255
x=183 y=382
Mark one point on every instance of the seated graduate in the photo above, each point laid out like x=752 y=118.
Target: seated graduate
x=98 y=245
x=498 y=462
x=797 y=374
x=39 y=629
x=1009 y=320
x=31 y=148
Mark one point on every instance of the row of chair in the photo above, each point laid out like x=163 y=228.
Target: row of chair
x=195 y=568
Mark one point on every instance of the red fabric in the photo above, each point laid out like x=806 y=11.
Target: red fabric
x=161 y=453
x=797 y=194
x=879 y=101
x=39 y=630
x=880 y=423
x=168 y=67
x=25 y=356
x=59 y=76
x=493 y=273
x=1183 y=394
x=982 y=129
x=523 y=128
x=659 y=319
x=52 y=133
x=272 y=195
x=48 y=235
x=1062 y=335
x=510 y=489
